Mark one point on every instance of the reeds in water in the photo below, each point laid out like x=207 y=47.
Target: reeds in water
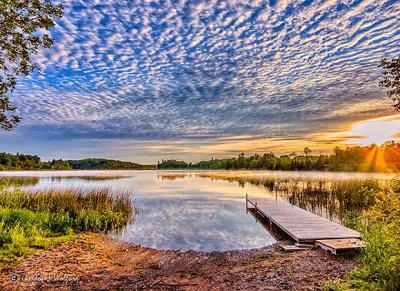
x=30 y=218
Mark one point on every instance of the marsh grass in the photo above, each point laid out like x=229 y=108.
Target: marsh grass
x=31 y=219
x=18 y=181
x=335 y=199
x=380 y=259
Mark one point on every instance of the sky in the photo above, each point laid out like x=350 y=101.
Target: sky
x=147 y=80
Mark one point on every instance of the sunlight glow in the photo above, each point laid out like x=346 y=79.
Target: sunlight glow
x=377 y=130
x=375 y=161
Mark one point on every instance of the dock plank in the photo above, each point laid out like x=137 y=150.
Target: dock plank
x=303 y=226
x=336 y=246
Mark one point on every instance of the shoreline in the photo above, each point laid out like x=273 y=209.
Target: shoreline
x=99 y=262
x=194 y=170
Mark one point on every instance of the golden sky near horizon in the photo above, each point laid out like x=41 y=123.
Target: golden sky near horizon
x=365 y=132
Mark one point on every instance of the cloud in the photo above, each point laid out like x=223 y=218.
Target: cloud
x=195 y=70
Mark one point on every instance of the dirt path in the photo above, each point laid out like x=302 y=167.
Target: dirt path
x=97 y=262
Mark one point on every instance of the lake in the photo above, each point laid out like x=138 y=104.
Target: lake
x=204 y=210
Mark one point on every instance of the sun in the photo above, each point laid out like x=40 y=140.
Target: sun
x=377 y=130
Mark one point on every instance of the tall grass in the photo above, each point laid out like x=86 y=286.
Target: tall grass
x=38 y=218
x=334 y=198
x=380 y=259
x=18 y=181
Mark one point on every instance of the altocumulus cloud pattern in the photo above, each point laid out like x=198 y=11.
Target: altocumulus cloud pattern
x=166 y=70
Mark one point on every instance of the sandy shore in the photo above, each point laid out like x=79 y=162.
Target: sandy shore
x=97 y=262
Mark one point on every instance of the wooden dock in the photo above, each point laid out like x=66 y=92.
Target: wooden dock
x=301 y=225
x=337 y=246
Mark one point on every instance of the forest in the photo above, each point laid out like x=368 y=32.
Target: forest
x=371 y=158
x=17 y=162
x=105 y=164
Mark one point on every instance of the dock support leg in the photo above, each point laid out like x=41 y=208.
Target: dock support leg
x=255 y=210
x=246 y=205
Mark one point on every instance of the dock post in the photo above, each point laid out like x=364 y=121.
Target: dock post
x=246 y=205
x=255 y=209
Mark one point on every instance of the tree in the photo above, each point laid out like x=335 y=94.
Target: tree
x=391 y=80
x=307 y=151
x=23 y=30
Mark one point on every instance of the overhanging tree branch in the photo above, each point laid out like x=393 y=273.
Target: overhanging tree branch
x=391 y=80
x=19 y=41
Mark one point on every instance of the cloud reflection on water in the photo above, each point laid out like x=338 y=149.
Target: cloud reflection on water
x=197 y=210
x=197 y=223
x=185 y=213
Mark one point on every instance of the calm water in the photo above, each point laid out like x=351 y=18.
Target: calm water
x=197 y=210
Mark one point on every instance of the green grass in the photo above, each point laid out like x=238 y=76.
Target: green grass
x=34 y=219
x=380 y=259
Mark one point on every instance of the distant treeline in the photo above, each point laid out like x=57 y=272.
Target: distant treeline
x=371 y=158
x=10 y=162
x=105 y=164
